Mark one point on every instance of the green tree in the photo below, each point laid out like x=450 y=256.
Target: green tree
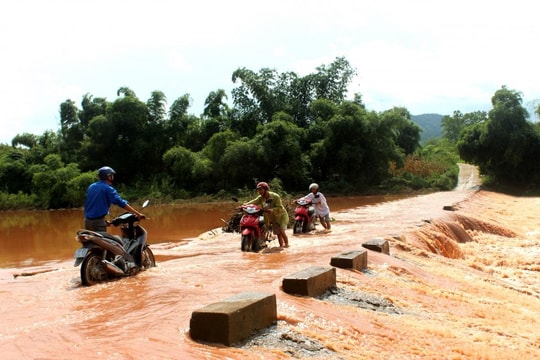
x=254 y=98
x=50 y=182
x=179 y=163
x=71 y=130
x=261 y=95
x=284 y=158
x=202 y=174
x=217 y=144
x=453 y=125
x=97 y=146
x=406 y=133
x=14 y=176
x=331 y=82
x=125 y=91
x=215 y=105
x=210 y=158
x=341 y=154
x=76 y=187
x=243 y=164
x=357 y=149
x=126 y=151
x=507 y=146
x=39 y=146
x=25 y=140
x=153 y=140
x=157 y=107
x=470 y=146
x=179 y=121
x=90 y=108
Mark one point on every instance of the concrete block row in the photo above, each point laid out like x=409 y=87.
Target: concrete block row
x=237 y=317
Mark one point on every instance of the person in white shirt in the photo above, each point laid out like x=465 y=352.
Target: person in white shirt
x=322 y=211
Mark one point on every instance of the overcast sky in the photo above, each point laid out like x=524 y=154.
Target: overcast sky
x=426 y=55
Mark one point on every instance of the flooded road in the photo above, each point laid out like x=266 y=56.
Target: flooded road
x=464 y=284
x=32 y=238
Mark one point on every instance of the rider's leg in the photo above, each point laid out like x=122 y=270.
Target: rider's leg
x=97 y=225
x=325 y=221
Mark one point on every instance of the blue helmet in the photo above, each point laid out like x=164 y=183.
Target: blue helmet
x=105 y=171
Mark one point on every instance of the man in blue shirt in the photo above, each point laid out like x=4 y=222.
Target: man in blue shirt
x=99 y=197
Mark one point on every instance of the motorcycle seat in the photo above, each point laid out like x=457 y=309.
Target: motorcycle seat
x=112 y=237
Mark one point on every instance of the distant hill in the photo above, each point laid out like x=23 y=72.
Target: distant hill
x=430 y=125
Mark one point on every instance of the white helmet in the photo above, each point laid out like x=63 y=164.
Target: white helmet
x=314 y=186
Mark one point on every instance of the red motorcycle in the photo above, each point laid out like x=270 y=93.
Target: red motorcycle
x=304 y=216
x=252 y=228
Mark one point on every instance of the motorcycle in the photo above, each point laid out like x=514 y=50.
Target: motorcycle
x=254 y=234
x=304 y=216
x=103 y=256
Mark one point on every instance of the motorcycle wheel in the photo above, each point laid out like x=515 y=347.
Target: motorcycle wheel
x=299 y=226
x=305 y=227
x=249 y=243
x=92 y=270
x=147 y=259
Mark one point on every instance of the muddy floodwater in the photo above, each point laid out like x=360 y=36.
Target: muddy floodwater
x=34 y=238
x=462 y=281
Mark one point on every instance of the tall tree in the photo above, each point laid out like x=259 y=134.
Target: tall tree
x=125 y=91
x=118 y=140
x=331 y=82
x=90 y=108
x=215 y=105
x=72 y=131
x=157 y=107
x=357 y=149
x=284 y=158
x=153 y=139
x=98 y=146
x=129 y=117
x=254 y=98
x=261 y=95
x=242 y=162
x=179 y=163
x=406 y=132
x=14 y=176
x=453 y=125
x=507 y=146
x=179 y=121
x=26 y=140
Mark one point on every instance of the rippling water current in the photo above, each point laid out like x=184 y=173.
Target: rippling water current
x=458 y=284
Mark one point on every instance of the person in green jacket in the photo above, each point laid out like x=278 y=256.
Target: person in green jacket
x=274 y=212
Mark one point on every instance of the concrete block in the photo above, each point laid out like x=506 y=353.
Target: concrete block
x=313 y=281
x=234 y=318
x=351 y=260
x=379 y=245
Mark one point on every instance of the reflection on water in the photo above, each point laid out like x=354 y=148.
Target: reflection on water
x=30 y=238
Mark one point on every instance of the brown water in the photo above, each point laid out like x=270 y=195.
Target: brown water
x=461 y=284
x=30 y=238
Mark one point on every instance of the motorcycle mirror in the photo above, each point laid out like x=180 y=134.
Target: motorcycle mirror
x=145 y=204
